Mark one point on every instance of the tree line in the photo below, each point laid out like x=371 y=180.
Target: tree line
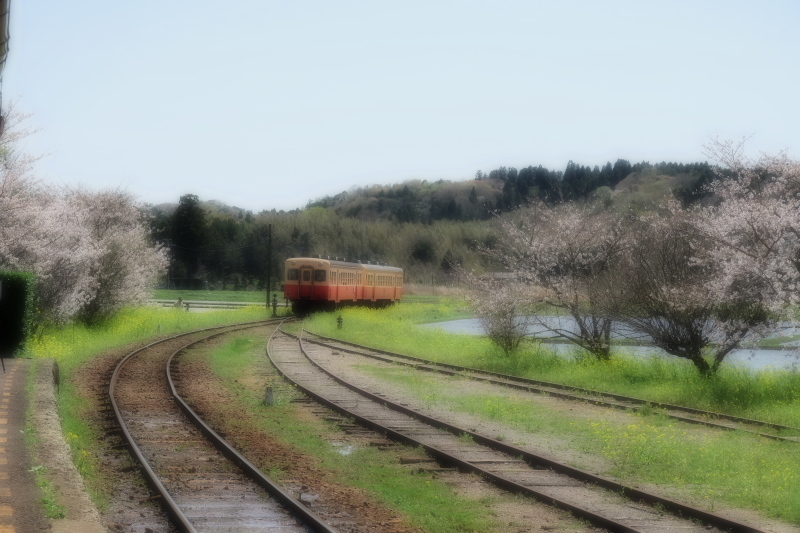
x=228 y=248
x=506 y=189
x=427 y=228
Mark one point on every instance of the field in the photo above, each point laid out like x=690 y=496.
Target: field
x=257 y=297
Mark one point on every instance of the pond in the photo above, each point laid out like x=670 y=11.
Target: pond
x=753 y=358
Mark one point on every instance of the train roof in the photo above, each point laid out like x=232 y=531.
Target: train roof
x=346 y=264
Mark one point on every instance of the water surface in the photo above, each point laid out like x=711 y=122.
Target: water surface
x=752 y=358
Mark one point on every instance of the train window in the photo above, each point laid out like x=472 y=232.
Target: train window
x=319 y=275
x=306 y=275
x=333 y=276
x=291 y=274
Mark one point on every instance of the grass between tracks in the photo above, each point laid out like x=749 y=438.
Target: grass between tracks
x=711 y=468
x=73 y=345
x=768 y=395
x=733 y=467
x=426 y=502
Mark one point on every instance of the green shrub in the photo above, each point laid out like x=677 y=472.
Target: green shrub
x=16 y=310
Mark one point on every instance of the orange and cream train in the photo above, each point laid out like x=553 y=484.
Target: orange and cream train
x=326 y=283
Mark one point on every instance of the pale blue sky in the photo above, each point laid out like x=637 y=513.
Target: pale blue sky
x=264 y=104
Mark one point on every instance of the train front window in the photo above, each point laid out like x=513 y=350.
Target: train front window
x=319 y=275
x=306 y=275
x=291 y=274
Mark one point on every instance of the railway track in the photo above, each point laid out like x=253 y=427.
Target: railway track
x=604 y=399
x=203 y=483
x=601 y=501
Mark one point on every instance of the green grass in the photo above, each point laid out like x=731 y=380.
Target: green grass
x=49 y=500
x=768 y=395
x=257 y=297
x=74 y=345
x=428 y=503
x=778 y=342
x=712 y=467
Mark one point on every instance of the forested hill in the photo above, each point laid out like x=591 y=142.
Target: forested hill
x=506 y=189
x=423 y=227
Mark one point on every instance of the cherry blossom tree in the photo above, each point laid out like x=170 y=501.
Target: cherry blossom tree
x=567 y=251
x=502 y=306
x=126 y=264
x=667 y=291
x=701 y=281
x=754 y=227
x=89 y=251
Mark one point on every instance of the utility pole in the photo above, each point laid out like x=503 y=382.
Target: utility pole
x=269 y=262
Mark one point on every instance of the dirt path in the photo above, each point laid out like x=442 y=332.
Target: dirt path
x=20 y=510
x=53 y=453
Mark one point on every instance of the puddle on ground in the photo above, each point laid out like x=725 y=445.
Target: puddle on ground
x=342 y=448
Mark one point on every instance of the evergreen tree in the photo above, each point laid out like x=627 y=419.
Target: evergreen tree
x=189 y=233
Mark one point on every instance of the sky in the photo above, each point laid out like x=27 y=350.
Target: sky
x=263 y=104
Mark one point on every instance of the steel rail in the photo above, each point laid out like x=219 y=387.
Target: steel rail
x=532 y=384
x=171 y=507
x=310 y=519
x=535 y=460
x=444 y=457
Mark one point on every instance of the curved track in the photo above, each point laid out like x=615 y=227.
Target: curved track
x=586 y=495
x=603 y=399
x=204 y=484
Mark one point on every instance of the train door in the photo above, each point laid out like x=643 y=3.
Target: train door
x=306 y=283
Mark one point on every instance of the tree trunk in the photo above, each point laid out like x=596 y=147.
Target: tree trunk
x=703 y=367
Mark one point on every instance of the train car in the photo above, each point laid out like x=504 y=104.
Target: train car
x=327 y=283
